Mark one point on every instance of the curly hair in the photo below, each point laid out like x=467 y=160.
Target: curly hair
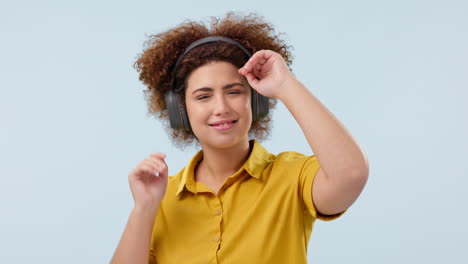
x=155 y=64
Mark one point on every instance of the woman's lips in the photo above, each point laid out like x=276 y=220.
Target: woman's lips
x=224 y=125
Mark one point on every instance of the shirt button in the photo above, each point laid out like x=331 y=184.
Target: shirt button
x=216 y=239
x=218 y=212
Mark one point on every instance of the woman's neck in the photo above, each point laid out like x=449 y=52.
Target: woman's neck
x=218 y=164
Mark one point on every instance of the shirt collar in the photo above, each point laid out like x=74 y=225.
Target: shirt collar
x=254 y=165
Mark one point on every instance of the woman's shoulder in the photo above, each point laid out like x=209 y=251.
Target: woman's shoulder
x=291 y=162
x=292 y=156
x=283 y=159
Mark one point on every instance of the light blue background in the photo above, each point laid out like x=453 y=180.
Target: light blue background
x=73 y=121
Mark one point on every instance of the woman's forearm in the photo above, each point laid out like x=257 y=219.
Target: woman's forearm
x=135 y=242
x=339 y=154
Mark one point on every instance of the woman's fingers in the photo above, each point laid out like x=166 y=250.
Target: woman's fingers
x=154 y=165
x=158 y=155
x=160 y=169
x=257 y=60
x=151 y=166
x=144 y=169
x=158 y=159
x=160 y=166
x=253 y=81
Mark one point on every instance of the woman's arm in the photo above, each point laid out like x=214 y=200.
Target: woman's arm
x=135 y=242
x=148 y=183
x=344 y=166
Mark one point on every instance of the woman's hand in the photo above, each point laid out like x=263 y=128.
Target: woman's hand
x=272 y=70
x=147 y=188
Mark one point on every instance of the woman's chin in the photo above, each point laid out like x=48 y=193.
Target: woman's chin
x=223 y=142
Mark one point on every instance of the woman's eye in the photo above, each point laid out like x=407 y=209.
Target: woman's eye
x=234 y=92
x=202 y=97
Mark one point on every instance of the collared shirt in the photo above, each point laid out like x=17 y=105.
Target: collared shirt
x=263 y=213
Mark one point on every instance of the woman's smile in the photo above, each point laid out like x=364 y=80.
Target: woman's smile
x=223 y=125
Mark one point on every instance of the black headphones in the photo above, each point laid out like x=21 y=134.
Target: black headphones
x=176 y=107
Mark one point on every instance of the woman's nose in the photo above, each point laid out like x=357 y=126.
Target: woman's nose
x=221 y=105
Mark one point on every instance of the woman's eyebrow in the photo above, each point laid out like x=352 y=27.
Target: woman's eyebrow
x=227 y=86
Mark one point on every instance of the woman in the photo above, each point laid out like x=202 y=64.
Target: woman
x=234 y=202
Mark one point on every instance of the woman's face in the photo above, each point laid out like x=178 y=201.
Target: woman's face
x=218 y=105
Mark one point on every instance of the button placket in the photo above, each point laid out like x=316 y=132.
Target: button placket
x=217 y=214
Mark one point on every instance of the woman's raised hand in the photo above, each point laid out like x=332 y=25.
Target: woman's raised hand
x=148 y=181
x=271 y=69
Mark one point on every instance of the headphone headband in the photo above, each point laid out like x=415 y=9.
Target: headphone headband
x=201 y=42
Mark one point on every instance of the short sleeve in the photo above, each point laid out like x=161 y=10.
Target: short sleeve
x=306 y=180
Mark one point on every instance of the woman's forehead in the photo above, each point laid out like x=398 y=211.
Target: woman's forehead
x=215 y=75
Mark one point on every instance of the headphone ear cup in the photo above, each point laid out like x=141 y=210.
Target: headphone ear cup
x=254 y=105
x=263 y=106
x=260 y=106
x=176 y=110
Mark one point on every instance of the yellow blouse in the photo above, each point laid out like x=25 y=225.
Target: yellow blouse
x=264 y=213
